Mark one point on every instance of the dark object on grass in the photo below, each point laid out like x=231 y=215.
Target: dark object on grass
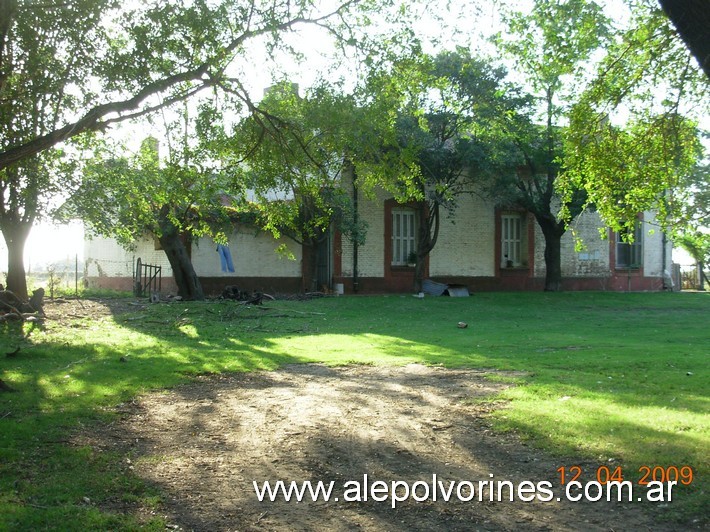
x=4 y=387
x=37 y=301
x=13 y=304
x=432 y=288
x=233 y=292
x=14 y=353
x=250 y=298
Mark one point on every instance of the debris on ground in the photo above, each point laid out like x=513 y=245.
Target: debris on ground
x=14 y=308
x=433 y=288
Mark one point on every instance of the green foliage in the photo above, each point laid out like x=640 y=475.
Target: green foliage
x=44 y=51
x=175 y=198
x=293 y=154
x=696 y=211
x=553 y=42
x=633 y=169
x=633 y=367
x=446 y=131
x=552 y=46
x=648 y=76
x=442 y=134
x=71 y=68
x=131 y=52
x=127 y=197
x=697 y=244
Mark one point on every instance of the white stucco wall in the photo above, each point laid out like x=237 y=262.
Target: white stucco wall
x=105 y=258
x=253 y=254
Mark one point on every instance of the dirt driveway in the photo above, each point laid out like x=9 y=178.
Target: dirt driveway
x=205 y=443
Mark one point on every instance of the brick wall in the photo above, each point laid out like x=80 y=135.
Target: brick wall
x=467 y=246
x=371 y=253
x=595 y=259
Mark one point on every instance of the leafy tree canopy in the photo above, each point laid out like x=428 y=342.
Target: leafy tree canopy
x=80 y=66
x=649 y=81
x=176 y=198
x=292 y=154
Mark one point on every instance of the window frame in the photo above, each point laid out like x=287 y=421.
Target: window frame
x=513 y=241
x=632 y=252
x=403 y=244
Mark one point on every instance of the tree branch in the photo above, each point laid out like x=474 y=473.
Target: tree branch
x=94 y=119
x=91 y=121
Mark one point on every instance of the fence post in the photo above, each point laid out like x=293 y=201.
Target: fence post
x=137 y=288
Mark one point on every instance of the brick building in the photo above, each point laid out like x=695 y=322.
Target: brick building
x=480 y=246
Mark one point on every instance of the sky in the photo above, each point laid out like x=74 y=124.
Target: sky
x=49 y=243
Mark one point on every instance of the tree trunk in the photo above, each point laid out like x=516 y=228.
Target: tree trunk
x=701 y=276
x=15 y=239
x=428 y=223
x=419 y=274
x=310 y=269
x=553 y=231
x=189 y=286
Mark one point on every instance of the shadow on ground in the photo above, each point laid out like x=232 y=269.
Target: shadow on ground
x=204 y=444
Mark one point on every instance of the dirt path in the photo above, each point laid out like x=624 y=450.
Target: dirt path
x=204 y=444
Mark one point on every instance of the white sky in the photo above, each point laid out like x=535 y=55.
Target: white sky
x=47 y=244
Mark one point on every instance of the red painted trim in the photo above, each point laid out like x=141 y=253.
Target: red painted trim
x=378 y=285
x=397 y=278
x=212 y=286
x=526 y=271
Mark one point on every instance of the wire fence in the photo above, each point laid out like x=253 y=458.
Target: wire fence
x=71 y=277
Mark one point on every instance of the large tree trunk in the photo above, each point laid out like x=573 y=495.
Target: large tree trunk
x=189 y=286
x=428 y=234
x=15 y=238
x=701 y=275
x=553 y=231
x=692 y=20
x=310 y=266
x=419 y=274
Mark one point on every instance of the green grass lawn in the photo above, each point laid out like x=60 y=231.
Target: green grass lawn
x=608 y=376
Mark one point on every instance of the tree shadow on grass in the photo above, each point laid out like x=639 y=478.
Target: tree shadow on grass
x=170 y=344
